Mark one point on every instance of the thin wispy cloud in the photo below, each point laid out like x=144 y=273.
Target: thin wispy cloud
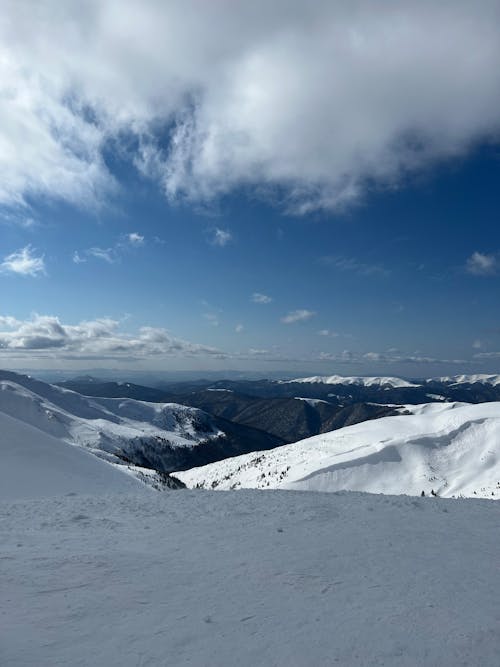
x=482 y=264
x=350 y=264
x=257 y=297
x=301 y=315
x=114 y=253
x=220 y=237
x=212 y=319
x=78 y=259
x=24 y=262
x=381 y=358
x=108 y=255
x=328 y=332
x=239 y=328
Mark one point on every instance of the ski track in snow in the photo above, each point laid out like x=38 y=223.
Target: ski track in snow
x=249 y=578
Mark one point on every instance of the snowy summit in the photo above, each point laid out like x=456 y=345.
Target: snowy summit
x=356 y=380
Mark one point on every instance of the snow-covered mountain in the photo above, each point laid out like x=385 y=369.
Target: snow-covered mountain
x=451 y=448
x=161 y=436
x=354 y=380
x=481 y=378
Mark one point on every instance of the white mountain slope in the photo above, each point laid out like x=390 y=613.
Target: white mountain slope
x=36 y=465
x=452 y=448
x=481 y=378
x=111 y=428
x=360 y=381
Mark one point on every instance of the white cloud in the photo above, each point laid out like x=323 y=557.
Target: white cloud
x=135 y=239
x=221 y=237
x=328 y=332
x=114 y=253
x=106 y=254
x=239 y=328
x=300 y=315
x=24 y=262
x=257 y=297
x=481 y=264
x=78 y=259
x=368 y=94
x=47 y=336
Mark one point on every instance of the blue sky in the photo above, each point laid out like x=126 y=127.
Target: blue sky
x=142 y=231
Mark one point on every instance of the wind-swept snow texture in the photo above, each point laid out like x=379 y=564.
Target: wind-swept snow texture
x=359 y=381
x=248 y=579
x=452 y=449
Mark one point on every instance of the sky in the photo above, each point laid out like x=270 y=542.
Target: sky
x=250 y=186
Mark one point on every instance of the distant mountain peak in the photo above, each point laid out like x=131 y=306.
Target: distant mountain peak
x=372 y=381
x=477 y=378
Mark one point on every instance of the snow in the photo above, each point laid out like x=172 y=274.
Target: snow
x=37 y=465
x=361 y=381
x=451 y=448
x=280 y=579
x=109 y=427
x=436 y=397
x=494 y=380
x=311 y=401
x=98 y=569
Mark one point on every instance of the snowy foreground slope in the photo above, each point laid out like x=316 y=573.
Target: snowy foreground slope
x=451 y=448
x=36 y=465
x=249 y=578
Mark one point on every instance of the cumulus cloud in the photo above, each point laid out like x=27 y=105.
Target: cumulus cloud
x=300 y=315
x=24 y=262
x=315 y=101
x=481 y=264
x=257 y=297
x=220 y=237
x=47 y=336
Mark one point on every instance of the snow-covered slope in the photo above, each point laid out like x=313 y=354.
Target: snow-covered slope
x=36 y=465
x=481 y=378
x=114 y=429
x=451 y=448
x=200 y=579
x=355 y=380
